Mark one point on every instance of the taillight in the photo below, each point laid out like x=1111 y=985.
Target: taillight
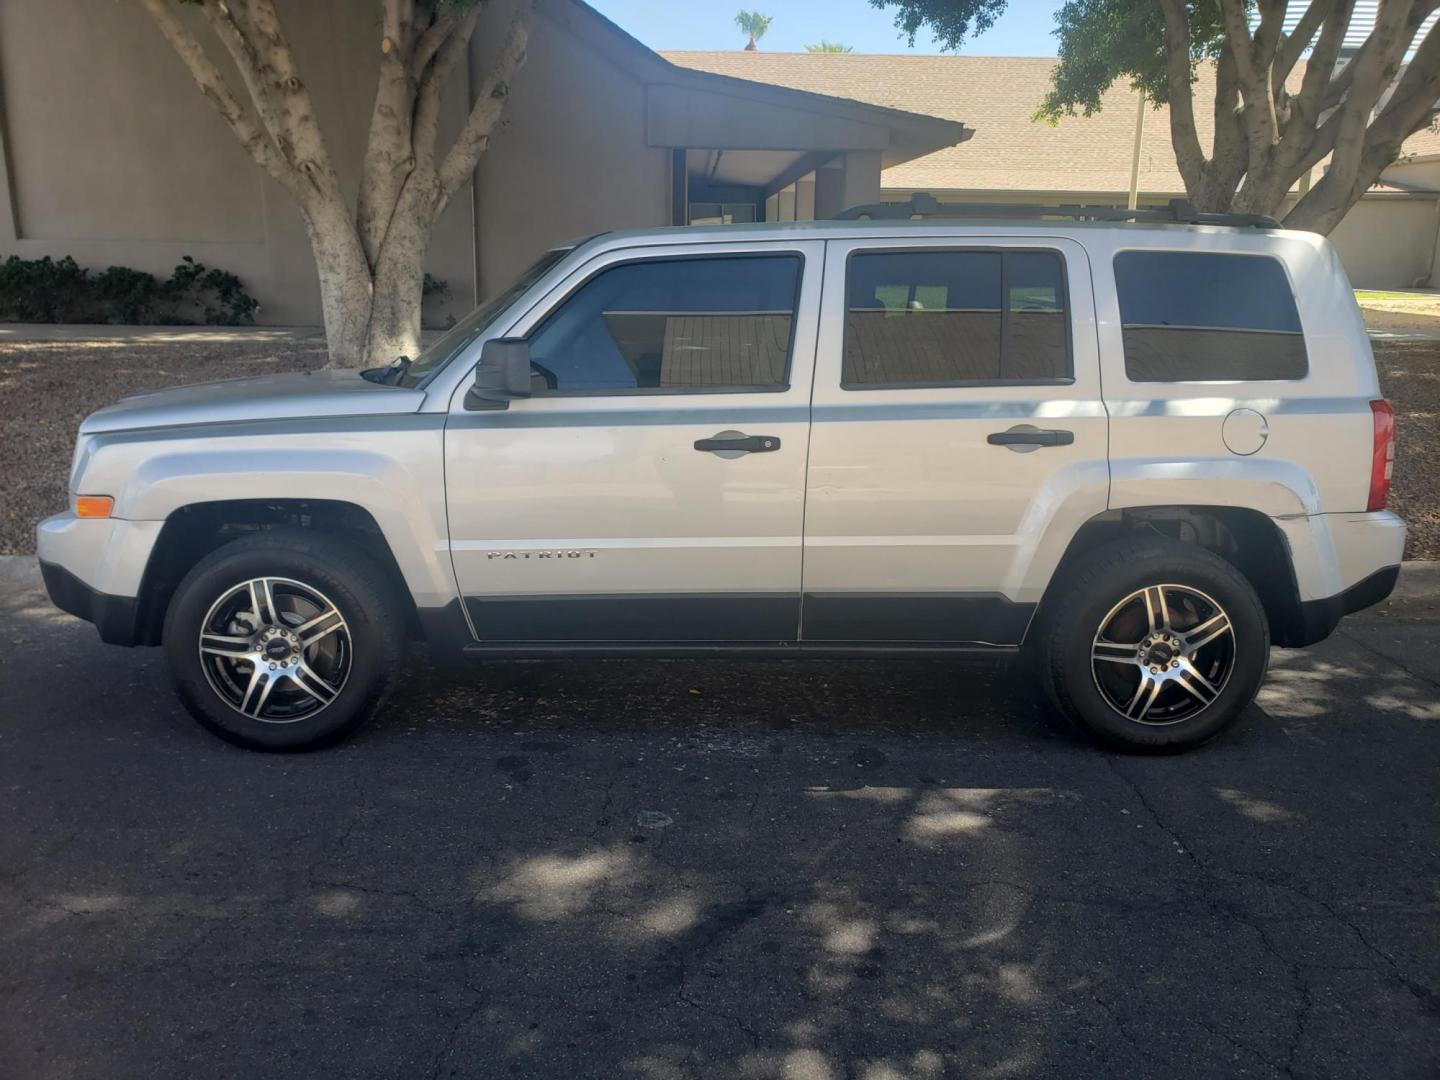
x=1382 y=457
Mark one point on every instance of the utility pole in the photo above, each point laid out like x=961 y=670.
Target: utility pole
x=1134 y=201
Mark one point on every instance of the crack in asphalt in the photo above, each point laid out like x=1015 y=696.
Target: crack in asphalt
x=1221 y=1033
x=1299 y=970
x=1222 y=909
x=1118 y=1020
x=465 y=1020
x=602 y=819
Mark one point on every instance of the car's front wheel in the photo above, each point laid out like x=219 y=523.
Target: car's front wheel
x=284 y=640
x=1153 y=644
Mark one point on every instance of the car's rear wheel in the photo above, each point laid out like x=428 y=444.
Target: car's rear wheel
x=284 y=640
x=1153 y=644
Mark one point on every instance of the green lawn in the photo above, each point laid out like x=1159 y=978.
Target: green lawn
x=1368 y=294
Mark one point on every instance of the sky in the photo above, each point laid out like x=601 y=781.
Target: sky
x=1024 y=29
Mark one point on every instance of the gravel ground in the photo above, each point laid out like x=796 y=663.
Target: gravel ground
x=1410 y=379
x=49 y=387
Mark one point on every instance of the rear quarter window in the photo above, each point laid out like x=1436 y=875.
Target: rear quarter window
x=1208 y=317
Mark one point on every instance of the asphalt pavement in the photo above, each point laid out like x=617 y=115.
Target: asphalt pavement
x=663 y=870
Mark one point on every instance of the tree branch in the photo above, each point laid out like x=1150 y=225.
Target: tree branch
x=236 y=39
x=1413 y=101
x=429 y=42
x=1300 y=133
x=1373 y=70
x=389 y=153
x=312 y=156
x=1408 y=110
x=432 y=85
x=1321 y=66
x=1229 y=157
x=474 y=137
x=1253 y=58
x=213 y=85
x=1298 y=40
x=1179 y=78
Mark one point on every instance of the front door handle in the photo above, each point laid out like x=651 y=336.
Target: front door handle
x=733 y=444
x=1026 y=437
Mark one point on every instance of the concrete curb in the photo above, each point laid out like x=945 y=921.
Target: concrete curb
x=1404 y=335
x=169 y=335
x=1419 y=580
x=156 y=335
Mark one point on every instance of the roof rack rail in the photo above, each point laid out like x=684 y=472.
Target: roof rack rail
x=1175 y=212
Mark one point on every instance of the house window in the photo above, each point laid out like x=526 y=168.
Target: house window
x=716 y=213
x=1207 y=316
x=955 y=318
x=718 y=324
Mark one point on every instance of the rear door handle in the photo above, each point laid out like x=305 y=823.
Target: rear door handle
x=1026 y=437
x=732 y=444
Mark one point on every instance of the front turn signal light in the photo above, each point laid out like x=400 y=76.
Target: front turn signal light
x=93 y=506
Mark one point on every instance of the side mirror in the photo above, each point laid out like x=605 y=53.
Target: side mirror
x=502 y=375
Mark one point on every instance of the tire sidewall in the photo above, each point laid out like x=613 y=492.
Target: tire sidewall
x=346 y=577
x=1084 y=610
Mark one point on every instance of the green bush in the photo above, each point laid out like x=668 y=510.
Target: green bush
x=41 y=290
x=46 y=290
x=434 y=289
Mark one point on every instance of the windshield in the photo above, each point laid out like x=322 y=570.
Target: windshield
x=459 y=336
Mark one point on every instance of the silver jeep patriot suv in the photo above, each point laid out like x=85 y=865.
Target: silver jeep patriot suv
x=1142 y=450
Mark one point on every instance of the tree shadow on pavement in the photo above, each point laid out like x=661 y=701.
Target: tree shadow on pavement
x=707 y=869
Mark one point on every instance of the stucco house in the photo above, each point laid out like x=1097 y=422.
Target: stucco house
x=109 y=153
x=1388 y=240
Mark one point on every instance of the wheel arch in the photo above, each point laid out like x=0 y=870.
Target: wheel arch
x=1246 y=538
x=195 y=530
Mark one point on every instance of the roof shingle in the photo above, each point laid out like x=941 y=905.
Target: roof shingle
x=997 y=97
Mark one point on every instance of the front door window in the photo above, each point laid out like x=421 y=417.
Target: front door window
x=670 y=326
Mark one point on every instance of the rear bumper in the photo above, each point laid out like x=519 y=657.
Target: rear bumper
x=114 y=616
x=1318 y=618
x=1342 y=563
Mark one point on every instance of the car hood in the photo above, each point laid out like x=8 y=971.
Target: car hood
x=268 y=397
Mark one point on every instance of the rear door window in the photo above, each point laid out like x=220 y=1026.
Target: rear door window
x=955 y=318
x=1208 y=316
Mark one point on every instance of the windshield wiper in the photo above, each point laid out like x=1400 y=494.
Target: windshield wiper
x=390 y=374
x=397 y=370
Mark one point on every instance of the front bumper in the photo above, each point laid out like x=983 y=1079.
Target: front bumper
x=115 y=617
x=95 y=568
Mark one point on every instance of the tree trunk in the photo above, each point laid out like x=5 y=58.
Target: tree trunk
x=395 y=313
x=400 y=271
x=371 y=262
x=1263 y=191
x=345 y=287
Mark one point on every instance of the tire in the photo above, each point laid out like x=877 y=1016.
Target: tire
x=1177 y=688
x=284 y=640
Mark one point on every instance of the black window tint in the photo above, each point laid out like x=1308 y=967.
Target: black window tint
x=1199 y=316
x=937 y=318
x=1036 y=329
x=671 y=325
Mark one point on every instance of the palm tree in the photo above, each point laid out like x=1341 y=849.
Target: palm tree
x=828 y=46
x=753 y=25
